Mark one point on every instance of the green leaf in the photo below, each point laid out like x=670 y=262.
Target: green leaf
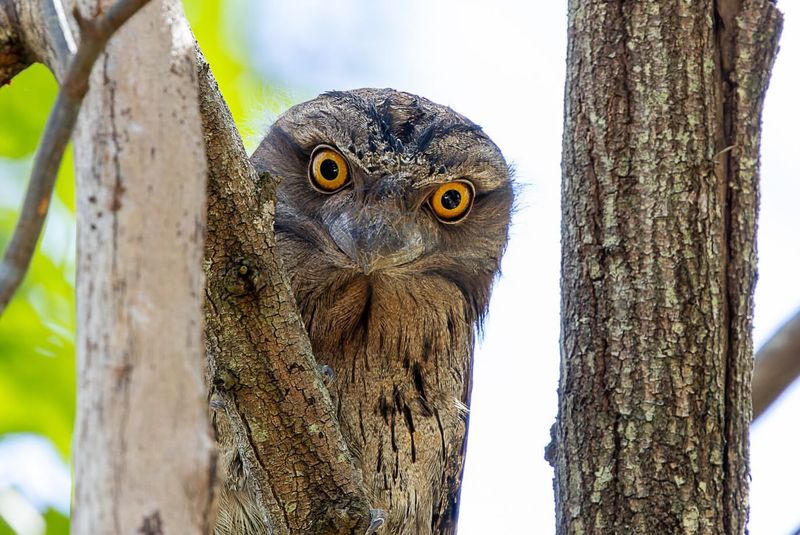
x=24 y=106
x=57 y=524
x=37 y=351
x=5 y=529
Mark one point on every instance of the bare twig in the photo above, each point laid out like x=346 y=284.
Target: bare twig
x=777 y=365
x=94 y=34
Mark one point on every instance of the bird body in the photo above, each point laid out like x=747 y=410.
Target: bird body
x=392 y=216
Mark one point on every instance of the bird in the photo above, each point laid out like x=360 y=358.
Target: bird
x=392 y=216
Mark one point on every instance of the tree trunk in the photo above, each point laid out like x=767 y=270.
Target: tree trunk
x=659 y=198
x=144 y=457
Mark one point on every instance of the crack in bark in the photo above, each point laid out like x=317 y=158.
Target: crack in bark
x=655 y=272
x=725 y=12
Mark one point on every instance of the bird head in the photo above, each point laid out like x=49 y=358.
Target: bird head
x=387 y=185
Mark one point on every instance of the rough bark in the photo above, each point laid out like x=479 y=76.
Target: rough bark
x=659 y=197
x=143 y=454
x=278 y=412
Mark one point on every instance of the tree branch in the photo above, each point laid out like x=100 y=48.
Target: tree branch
x=278 y=410
x=95 y=33
x=12 y=53
x=34 y=32
x=777 y=365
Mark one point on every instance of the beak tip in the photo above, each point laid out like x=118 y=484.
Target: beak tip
x=366 y=266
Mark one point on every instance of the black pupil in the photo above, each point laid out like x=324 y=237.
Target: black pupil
x=329 y=169
x=451 y=199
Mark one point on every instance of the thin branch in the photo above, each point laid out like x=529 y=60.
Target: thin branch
x=94 y=33
x=777 y=365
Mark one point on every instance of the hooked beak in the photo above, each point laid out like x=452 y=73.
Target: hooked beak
x=377 y=238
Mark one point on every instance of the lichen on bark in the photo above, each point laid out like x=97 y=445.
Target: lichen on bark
x=659 y=196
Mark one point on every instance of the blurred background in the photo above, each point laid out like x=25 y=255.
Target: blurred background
x=502 y=65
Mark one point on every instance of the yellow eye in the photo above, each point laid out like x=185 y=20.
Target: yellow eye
x=451 y=202
x=328 y=170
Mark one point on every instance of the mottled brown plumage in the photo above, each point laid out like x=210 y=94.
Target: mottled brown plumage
x=390 y=294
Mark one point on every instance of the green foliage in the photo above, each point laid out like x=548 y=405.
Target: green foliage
x=57 y=524
x=217 y=27
x=24 y=105
x=37 y=331
x=37 y=366
x=37 y=389
x=207 y=21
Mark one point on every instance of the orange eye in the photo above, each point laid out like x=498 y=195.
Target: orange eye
x=328 y=170
x=451 y=202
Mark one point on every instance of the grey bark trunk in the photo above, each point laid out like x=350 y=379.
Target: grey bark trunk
x=144 y=456
x=659 y=198
x=141 y=219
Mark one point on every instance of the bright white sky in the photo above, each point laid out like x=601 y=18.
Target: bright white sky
x=502 y=65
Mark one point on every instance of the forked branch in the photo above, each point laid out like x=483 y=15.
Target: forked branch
x=94 y=34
